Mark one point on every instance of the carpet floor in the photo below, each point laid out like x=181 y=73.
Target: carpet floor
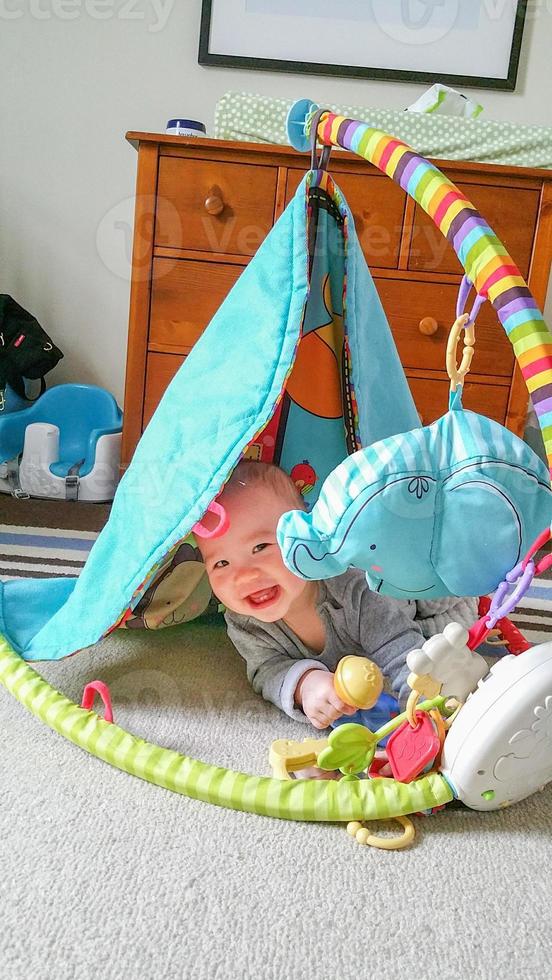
x=105 y=875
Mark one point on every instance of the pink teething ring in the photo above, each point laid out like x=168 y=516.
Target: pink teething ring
x=201 y=531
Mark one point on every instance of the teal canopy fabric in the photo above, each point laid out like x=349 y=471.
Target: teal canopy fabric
x=224 y=395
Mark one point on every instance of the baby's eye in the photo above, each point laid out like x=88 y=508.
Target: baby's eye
x=221 y=563
x=260 y=547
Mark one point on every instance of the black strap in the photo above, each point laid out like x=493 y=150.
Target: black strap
x=322 y=163
x=72 y=481
x=16 y=489
x=41 y=392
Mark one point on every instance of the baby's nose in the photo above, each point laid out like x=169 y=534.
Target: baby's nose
x=247 y=573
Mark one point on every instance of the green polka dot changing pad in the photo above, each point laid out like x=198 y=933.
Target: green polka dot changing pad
x=261 y=119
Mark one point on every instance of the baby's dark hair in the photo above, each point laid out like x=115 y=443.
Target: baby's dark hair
x=251 y=472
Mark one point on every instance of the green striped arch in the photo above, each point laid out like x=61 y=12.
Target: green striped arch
x=306 y=799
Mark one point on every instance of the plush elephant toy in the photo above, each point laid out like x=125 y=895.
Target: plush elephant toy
x=443 y=510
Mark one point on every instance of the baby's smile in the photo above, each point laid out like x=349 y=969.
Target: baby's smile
x=264 y=597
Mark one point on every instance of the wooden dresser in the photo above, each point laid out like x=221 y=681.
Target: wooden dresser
x=204 y=206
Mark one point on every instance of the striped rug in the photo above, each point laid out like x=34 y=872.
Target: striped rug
x=42 y=552
x=533 y=614
x=46 y=539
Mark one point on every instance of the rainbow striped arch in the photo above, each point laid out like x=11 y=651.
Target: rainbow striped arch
x=485 y=259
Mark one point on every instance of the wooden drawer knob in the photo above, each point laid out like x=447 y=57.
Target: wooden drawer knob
x=214 y=203
x=428 y=326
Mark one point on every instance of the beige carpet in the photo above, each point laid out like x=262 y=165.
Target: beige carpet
x=105 y=875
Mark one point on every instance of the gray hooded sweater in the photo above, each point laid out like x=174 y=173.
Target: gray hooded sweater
x=357 y=621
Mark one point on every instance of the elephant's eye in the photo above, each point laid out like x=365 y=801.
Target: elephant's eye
x=372 y=547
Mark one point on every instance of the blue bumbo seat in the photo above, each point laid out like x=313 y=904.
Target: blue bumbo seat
x=68 y=440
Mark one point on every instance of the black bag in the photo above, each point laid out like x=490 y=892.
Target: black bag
x=26 y=350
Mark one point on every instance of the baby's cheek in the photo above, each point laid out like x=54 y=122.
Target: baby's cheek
x=293 y=581
x=217 y=587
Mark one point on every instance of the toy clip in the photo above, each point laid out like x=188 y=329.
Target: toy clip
x=457 y=373
x=463 y=294
x=89 y=693
x=201 y=531
x=318 y=163
x=504 y=601
x=464 y=321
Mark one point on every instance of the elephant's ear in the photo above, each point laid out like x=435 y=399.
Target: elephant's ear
x=306 y=550
x=479 y=537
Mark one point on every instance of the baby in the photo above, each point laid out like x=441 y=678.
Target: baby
x=291 y=632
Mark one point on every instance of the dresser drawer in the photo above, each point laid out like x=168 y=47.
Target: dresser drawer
x=407 y=303
x=185 y=296
x=378 y=207
x=432 y=398
x=214 y=207
x=160 y=370
x=510 y=212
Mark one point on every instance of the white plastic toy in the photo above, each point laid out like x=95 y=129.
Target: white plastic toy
x=448 y=660
x=499 y=748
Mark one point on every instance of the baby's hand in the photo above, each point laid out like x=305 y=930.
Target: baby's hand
x=315 y=694
x=446 y=658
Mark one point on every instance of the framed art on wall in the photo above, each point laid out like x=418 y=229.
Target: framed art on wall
x=458 y=42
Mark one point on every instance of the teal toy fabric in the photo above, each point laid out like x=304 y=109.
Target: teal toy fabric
x=443 y=510
x=228 y=391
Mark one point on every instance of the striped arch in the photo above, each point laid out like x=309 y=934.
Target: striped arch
x=303 y=799
x=485 y=259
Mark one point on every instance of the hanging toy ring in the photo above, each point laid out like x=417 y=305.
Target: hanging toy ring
x=455 y=373
x=363 y=836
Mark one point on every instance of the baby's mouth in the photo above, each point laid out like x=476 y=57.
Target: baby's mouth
x=264 y=597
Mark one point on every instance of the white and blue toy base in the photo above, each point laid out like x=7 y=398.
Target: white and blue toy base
x=66 y=445
x=499 y=748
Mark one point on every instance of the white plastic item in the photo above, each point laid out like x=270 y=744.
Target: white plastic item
x=446 y=658
x=499 y=748
x=41 y=449
x=445 y=101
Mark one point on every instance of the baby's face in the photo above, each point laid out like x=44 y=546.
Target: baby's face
x=245 y=565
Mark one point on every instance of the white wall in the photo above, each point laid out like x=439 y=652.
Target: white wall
x=75 y=75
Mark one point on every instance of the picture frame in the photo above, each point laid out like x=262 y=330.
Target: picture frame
x=403 y=40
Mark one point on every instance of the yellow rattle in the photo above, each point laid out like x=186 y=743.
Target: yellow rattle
x=358 y=681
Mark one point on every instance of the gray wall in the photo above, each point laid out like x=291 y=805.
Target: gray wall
x=75 y=75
